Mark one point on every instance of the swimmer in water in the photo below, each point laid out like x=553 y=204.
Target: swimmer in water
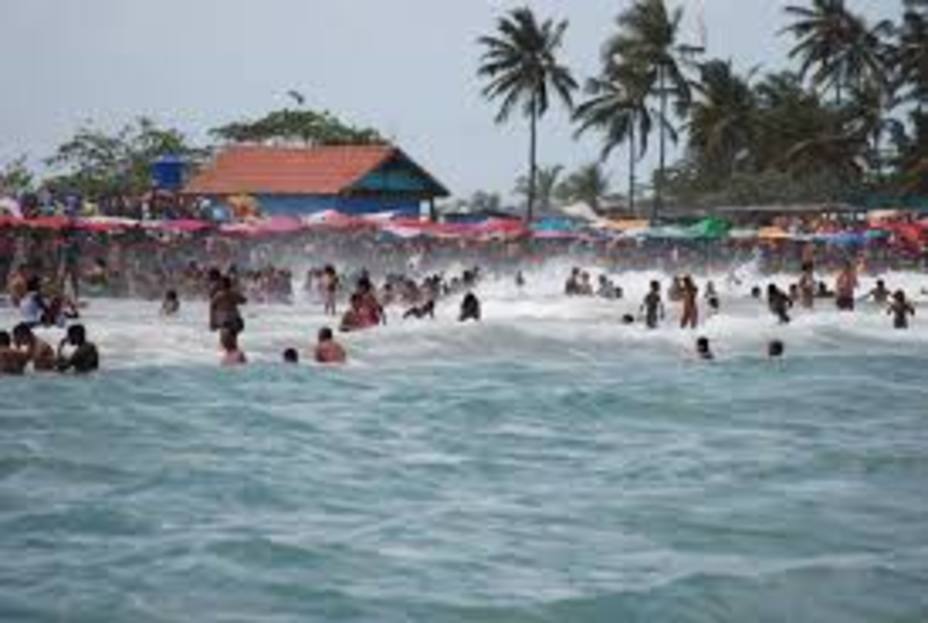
x=11 y=361
x=880 y=294
x=85 y=357
x=775 y=349
x=845 y=286
x=291 y=356
x=39 y=353
x=171 y=304
x=712 y=298
x=520 y=280
x=778 y=303
x=223 y=307
x=470 y=308
x=703 y=350
x=421 y=311
x=807 y=286
x=231 y=354
x=900 y=309
x=756 y=292
x=328 y=351
x=653 y=306
x=690 y=316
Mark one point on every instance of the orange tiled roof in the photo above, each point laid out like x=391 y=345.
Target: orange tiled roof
x=288 y=171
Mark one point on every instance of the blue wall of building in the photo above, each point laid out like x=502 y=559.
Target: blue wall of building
x=301 y=205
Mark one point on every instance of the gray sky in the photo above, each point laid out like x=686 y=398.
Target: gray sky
x=406 y=67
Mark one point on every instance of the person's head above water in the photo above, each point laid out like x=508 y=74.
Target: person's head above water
x=77 y=335
x=655 y=286
x=775 y=349
x=22 y=335
x=5 y=339
x=291 y=356
x=755 y=292
x=899 y=296
x=703 y=349
x=325 y=334
x=880 y=284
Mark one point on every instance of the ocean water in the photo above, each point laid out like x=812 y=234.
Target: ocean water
x=546 y=465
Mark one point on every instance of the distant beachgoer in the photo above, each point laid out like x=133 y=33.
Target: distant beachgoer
x=572 y=287
x=807 y=286
x=171 y=304
x=520 y=280
x=470 y=308
x=17 y=285
x=32 y=306
x=823 y=292
x=756 y=292
x=12 y=361
x=712 y=298
x=775 y=349
x=329 y=286
x=85 y=357
x=845 y=286
x=628 y=319
x=703 y=350
x=328 y=351
x=690 y=316
x=232 y=355
x=880 y=294
x=223 y=307
x=675 y=291
x=652 y=306
x=352 y=319
x=59 y=310
x=69 y=264
x=421 y=311
x=778 y=303
x=291 y=356
x=901 y=309
x=37 y=351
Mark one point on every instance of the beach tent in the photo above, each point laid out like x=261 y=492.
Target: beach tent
x=709 y=229
x=581 y=210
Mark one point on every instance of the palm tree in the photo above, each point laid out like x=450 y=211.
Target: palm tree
x=546 y=183
x=648 y=43
x=588 y=184
x=723 y=119
x=521 y=65
x=911 y=54
x=838 y=44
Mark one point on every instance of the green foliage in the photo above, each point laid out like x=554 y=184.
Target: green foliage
x=305 y=126
x=588 y=184
x=15 y=177
x=547 y=182
x=98 y=164
x=520 y=64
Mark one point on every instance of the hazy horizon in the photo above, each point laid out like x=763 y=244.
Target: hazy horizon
x=407 y=68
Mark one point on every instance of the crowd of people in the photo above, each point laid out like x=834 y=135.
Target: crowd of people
x=49 y=277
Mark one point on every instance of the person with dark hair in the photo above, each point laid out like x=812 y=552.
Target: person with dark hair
x=470 y=308
x=421 y=311
x=85 y=357
x=329 y=351
x=171 y=303
x=232 y=355
x=223 y=307
x=703 y=350
x=38 y=352
x=845 y=286
x=32 y=306
x=880 y=294
x=775 y=349
x=806 y=286
x=12 y=361
x=690 y=316
x=779 y=303
x=652 y=306
x=901 y=309
x=291 y=356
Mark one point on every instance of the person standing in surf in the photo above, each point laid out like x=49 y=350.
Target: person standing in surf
x=845 y=286
x=653 y=306
x=689 y=293
x=900 y=309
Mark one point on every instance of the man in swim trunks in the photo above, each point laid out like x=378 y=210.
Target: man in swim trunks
x=652 y=306
x=328 y=351
x=845 y=286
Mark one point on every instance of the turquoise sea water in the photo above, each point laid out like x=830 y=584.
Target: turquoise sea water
x=547 y=465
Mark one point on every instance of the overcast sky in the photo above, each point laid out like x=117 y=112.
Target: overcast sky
x=406 y=67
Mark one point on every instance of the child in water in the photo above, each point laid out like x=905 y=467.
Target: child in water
x=900 y=309
x=652 y=306
x=775 y=349
x=328 y=351
x=470 y=308
x=291 y=356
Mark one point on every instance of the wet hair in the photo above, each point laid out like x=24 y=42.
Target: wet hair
x=628 y=319
x=880 y=283
x=702 y=344
x=23 y=333
x=325 y=334
x=755 y=292
x=4 y=339
x=291 y=356
x=899 y=295
x=775 y=348
x=655 y=286
x=170 y=294
x=77 y=335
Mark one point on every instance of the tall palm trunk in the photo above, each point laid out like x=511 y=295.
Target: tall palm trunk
x=631 y=167
x=659 y=187
x=532 y=157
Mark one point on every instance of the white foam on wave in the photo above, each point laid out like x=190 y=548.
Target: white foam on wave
x=534 y=323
